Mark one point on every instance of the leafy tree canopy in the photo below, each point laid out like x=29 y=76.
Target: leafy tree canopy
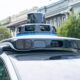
x=4 y=33
x=71 y=27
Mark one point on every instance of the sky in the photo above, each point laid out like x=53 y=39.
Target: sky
x=13 y=7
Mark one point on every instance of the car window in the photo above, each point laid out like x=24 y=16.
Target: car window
x=29 y=28
x=3 y=71
x=44 y=28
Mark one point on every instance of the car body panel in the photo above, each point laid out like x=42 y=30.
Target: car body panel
x=48 y=70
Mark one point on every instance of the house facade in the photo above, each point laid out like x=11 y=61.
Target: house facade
x=58 y=12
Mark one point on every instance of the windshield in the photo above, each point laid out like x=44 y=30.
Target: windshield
x=45 y=55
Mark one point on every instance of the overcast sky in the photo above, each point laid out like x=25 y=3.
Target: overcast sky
x=10 y=7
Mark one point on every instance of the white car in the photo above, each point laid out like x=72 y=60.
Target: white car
x=40 y=57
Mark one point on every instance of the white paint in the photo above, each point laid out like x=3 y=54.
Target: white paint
x=48 y=70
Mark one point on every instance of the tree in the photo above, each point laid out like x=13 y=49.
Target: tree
x=4 y=33
x=71 y=27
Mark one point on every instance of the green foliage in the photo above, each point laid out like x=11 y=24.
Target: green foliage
x=71 y=27
x=4 y=33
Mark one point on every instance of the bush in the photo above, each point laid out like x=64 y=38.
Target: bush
x=71 y=27
x=4 y=33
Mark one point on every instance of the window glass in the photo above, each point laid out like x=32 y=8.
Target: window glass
x=45 y=28
x=35 y=18
x=3 y=71
x=29 y=28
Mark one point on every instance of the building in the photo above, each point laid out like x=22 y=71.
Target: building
x=57 y=12
x=5 y=22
